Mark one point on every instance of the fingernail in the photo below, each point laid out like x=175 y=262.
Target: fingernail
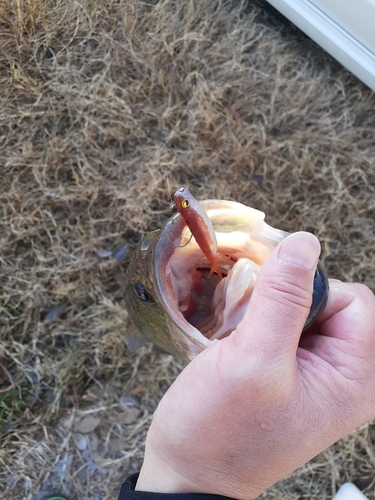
x=301 y=249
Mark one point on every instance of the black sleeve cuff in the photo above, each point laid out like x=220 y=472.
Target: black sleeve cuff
x=128 y=493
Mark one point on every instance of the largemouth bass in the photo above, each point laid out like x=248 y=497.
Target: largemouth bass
x=174 y=299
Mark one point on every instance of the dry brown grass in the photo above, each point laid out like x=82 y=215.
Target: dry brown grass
x=101 y=101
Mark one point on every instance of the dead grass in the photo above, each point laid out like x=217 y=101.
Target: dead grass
x=100 y=103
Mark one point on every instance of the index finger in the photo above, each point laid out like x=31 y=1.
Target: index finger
x=341 y=295
x=349 y=316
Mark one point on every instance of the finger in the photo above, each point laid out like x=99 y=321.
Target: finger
x=339 y=298
x=352 y=301
x=355 y=323
x=345 y=336
x=281 y=300
x=349 y=317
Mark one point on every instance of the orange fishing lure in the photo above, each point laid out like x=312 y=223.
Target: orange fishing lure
x=200 y=226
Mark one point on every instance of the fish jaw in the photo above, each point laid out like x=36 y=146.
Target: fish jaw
x=190 y=341
x=188 y=310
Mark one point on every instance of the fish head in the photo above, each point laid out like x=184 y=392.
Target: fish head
x=170 y=294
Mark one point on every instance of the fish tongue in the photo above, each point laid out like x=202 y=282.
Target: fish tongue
x=230 y=300
x=200 y=296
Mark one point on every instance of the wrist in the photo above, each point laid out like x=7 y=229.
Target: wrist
x=159 y=477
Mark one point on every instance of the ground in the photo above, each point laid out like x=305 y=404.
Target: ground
x=101 y=104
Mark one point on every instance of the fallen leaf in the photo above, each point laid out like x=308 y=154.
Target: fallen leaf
x=128 y=416
x=119 y=253
x=125 y=403
x=98 y=459
x=54 y=313
x=117 y=444
x=80 y=441
x=138 y=389
x=62 y=468
x=93 y=441
x=87 y=424
x=104 y=253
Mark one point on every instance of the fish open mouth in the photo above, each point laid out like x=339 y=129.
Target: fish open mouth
x=213 y=307
x=175 y=294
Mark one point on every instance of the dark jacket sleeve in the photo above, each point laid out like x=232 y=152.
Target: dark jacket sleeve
x=128 y=493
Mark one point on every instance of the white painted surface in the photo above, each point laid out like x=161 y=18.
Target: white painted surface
x=356 y=17
x=349 y=491
x=336 y=40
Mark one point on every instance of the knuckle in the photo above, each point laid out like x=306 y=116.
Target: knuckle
x=364 y=292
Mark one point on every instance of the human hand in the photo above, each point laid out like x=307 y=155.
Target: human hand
x=255 y=406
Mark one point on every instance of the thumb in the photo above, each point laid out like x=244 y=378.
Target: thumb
x=281 y=300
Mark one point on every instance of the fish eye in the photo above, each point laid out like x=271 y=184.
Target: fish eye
x=142 y=293
x=185 y=203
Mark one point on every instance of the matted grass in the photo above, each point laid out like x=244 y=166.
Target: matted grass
x=100 y=103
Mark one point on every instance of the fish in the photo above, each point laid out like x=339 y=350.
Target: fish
x=175 y=297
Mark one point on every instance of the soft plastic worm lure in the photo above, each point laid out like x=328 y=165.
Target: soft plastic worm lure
x=199 y=224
